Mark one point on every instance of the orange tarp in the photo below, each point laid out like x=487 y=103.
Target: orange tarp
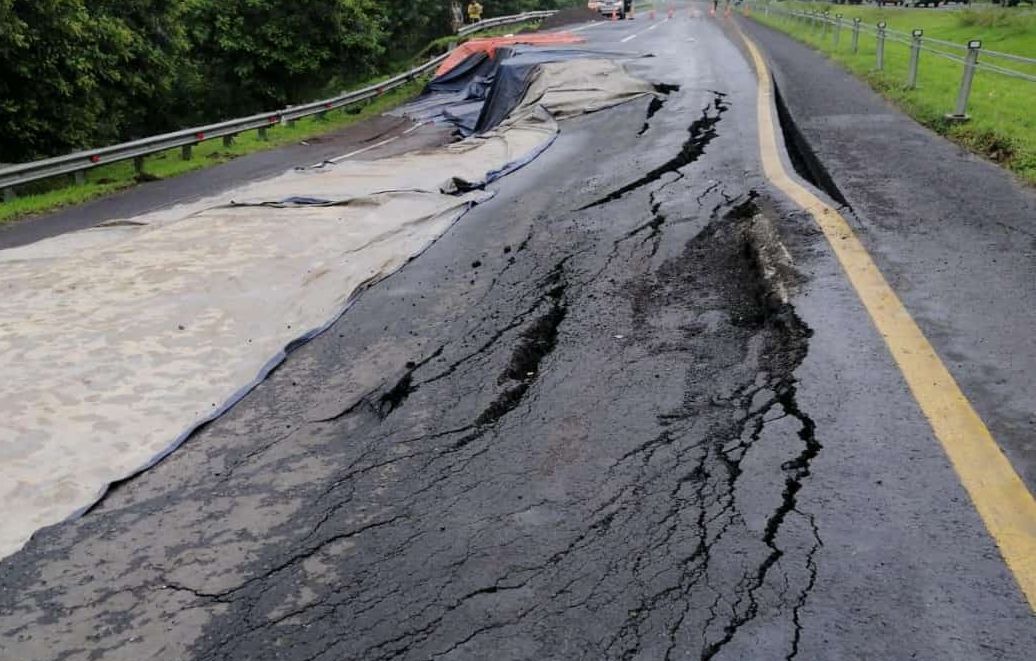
x=490 y=44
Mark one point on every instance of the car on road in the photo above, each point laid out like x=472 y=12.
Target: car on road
x=620 y=8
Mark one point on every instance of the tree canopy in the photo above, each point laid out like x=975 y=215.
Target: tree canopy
x=83 y=73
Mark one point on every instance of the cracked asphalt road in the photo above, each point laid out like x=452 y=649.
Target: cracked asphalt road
x=586 y=423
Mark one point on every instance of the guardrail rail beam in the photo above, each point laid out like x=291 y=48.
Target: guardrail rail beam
x=77 y=163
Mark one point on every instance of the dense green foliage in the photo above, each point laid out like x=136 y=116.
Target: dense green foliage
x=82 y=73
x=71 y=75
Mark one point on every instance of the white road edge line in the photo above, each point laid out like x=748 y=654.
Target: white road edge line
x=637 y=34
x=338 y=159
x=584 y=27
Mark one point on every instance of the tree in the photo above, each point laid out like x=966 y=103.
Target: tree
x=73 y=76
x=411 y=24
x=259 y=54
x=84 y=73
x=147 y=65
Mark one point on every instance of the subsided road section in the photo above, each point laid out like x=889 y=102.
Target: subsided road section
x=584 y=424
x=953 y=233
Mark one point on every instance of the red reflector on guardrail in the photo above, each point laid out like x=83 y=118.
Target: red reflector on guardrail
x=272 y=120
x=199 y=136
x=95 y=159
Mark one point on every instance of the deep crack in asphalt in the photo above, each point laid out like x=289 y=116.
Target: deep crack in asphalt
x=599 y=454
x=655 y=521
x=700 y=133
x=657 y=103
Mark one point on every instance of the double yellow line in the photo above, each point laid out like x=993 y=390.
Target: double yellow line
x=998 y=493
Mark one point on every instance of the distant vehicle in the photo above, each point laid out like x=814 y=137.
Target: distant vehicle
x=618 y=7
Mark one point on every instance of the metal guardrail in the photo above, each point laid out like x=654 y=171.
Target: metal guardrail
x=826 y=26
x=503 y=20
x=79 y=162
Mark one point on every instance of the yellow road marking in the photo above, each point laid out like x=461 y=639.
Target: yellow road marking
x=1001 y=498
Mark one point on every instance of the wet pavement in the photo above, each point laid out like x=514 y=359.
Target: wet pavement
x=955 y=233
x=629 y=408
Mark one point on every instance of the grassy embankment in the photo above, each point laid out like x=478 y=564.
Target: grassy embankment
x=1003 y=123
x=46 y=196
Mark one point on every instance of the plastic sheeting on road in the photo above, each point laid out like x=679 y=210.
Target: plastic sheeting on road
x=488 y=46
x=479 y=92
x=117 y=342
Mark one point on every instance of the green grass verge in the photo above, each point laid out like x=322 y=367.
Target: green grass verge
x=41 y=197
x=1003 y=124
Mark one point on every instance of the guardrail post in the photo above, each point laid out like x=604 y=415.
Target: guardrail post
x=228 y=140
x=838 y=31
x=9 y=194
x=824 y=24
x=856 y=35
x=970 y=63
x=138 y=164
x=915 y=55
x=79 y=177
x=881 y=46
x=262 y=133
x=185 y=152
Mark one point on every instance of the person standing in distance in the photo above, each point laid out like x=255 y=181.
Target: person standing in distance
x=474 y=11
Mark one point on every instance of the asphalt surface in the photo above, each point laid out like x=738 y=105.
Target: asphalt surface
x=583 y=424
x=953 y=233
